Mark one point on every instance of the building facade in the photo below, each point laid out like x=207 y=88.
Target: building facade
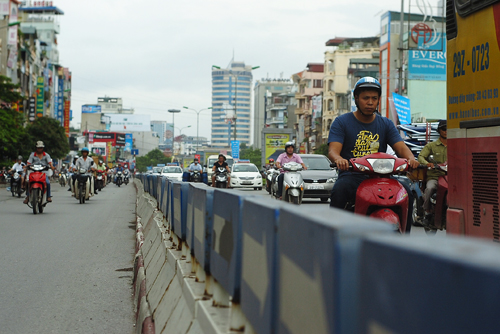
x=271 y=106
x=231 y=91
x=346 y=59
x=309 y=84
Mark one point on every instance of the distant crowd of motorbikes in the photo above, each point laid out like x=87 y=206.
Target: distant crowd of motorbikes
x=82 y=184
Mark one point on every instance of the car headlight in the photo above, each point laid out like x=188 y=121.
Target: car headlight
x=382 y=166
x=330 y=180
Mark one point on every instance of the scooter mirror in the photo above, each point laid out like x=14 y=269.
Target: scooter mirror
x=431 y=158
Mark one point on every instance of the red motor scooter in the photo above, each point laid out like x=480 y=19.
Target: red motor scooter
x=381 y=196
x=37 y=187
x=439 y=200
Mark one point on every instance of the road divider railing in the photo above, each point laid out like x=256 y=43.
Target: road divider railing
x=215 y=261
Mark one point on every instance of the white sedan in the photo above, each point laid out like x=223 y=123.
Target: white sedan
x=245 y=175
x=172 y=172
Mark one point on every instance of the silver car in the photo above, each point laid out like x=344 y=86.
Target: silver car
x=319 y=177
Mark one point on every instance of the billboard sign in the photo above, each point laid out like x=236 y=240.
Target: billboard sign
x=129 y=122
x=39 y=96
x=91 y=108
x=12 y=37
x=275 y=145
x=66 y=117
x=120 y=139
x=426 y=64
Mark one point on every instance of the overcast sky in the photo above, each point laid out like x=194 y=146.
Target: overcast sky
x=158 y=54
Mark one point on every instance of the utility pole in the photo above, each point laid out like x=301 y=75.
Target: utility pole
x=401 y=54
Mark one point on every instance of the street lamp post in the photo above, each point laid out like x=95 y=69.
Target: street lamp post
x=173 y=112
x=197 y=123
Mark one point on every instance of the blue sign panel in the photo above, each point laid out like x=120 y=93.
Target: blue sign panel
x=425 y=64
x=60 y=100
x=128 y=142
x=135 y=151
x=91 y=109
x=402 y=105
x=235 y=149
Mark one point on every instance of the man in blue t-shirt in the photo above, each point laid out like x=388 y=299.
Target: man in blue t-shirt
x=360 y=133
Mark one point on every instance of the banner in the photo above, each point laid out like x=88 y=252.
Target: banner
x=275 y=145
x=129 y=122
x=39 y=96
x=31 y=109
x=91 y=108
x=402 y=105
x=427 y=64
x=129 y=142
x=4 y=7
x=120 y=139
x=66 y=117
x=60 y=99
x=12 y=38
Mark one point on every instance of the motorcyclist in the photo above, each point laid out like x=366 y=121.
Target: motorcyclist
x=18 y=167
x=86 y=163
x=283 y=158
x=71 y=172
x=39 y=157
x=118 y=168
x=360 y=133
x=101 y=168
x=221 y=162
x=195 y=166
x=438 y=149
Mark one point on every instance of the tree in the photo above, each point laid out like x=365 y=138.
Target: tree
x=153 y=158
x=254 y=155
x=322 y=149
x=12 y=131
x=52 y=134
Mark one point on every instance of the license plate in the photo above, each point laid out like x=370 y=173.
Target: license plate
x=246 y=182
x=316 y=186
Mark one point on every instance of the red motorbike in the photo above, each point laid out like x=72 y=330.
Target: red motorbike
x=439 y=200
x=381 y=196
x=37 y=187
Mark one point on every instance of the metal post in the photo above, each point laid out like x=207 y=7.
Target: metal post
x=401 y=32
x=235 y=104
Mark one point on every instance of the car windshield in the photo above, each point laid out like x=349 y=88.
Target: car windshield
x=245 y=168
x=172 y=169
x=157 y=169
x=316 y=163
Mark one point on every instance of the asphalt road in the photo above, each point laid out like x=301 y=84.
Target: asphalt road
x=415 y=231
x=68 y=270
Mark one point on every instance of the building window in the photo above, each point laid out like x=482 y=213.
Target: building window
x=317 y=83
x=330 y=105
x=330 y=85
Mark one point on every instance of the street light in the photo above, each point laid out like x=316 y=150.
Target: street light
x=11 y=24
x=197 y=123
x=173 y=111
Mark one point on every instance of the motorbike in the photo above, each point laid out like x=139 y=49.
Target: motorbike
x=37 y=187
x=119 y=178
x=62 y=179
x=195 y=176
x=126 y=176
x=271 y=174
x=109 y=177
x=99 y=181
x=221 y=177
x=16 y=185
x=439 y=200
x=381 y=196
x=82 y=188
x=293 y=183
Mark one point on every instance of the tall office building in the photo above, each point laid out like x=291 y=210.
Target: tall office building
x=231 y=104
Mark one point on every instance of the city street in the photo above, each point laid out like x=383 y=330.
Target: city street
x=68 y=270
x=415 y=231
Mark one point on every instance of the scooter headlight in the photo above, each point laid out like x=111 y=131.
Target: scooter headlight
x=382 y=166
x=362 y=168
x=402 y=168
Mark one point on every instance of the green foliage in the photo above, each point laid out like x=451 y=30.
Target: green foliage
x=12 y=132
x=153 y=158
x=322 y=149
x=254 y=155
x=52 y=134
